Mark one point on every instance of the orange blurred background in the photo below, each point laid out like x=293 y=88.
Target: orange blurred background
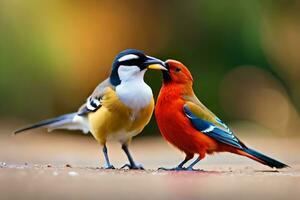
x=244 y=55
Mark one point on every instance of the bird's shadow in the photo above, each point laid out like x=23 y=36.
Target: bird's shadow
x=267 y=171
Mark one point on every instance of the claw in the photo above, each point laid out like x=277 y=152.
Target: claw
x=126 y=165
x=109 y=167
x=136 y=167
x=190 y=169
x=172 y=169
x=139 y=166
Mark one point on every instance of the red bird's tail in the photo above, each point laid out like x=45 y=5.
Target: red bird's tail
x=261 y=158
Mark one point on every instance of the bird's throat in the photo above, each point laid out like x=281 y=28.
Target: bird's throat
x=135 y=94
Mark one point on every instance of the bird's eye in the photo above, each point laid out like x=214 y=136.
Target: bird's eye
x=177 y=69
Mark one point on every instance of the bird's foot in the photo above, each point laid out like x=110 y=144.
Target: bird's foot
x=108 y=167
x=172 y=169
x=190 y=169
x=135 y=166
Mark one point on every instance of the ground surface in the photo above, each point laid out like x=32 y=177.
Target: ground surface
x=58 y=166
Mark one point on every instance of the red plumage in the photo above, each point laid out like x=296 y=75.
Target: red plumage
x=177 y=128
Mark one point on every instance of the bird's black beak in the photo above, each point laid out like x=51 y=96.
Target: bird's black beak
x=154 y=63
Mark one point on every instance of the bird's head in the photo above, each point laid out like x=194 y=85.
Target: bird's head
x=132 y=63
x=177 y=73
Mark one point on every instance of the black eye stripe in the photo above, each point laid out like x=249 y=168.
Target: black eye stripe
x=129 y=62
x=132 y=62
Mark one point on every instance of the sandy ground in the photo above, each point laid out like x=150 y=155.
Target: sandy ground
x=67 y=166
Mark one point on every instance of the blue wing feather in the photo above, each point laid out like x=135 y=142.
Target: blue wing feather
x=212 y=130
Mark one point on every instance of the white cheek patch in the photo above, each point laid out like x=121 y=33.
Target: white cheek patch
x=128 y=57
x=128 y=72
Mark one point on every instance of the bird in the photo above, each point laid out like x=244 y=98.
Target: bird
x=118 y=109
x=191 y=127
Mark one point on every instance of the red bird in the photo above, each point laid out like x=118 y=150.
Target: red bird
x=188 y=125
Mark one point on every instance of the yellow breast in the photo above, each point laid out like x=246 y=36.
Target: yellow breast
x=114 y=120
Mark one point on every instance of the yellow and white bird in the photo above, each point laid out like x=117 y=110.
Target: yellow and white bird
x=118 y=109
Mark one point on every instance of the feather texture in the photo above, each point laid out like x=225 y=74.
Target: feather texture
x=70 y=121
x=93 y=102
x=212 y=130
x=191 y=127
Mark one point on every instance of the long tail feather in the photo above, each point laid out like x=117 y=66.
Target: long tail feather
x=263 y=159
x=69 y=121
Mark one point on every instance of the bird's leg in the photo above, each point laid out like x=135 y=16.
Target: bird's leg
x=132 y=164
x=190 y=167
x=107 y=163
x=180 y=166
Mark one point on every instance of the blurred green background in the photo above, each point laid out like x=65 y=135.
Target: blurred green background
x=243 y=54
